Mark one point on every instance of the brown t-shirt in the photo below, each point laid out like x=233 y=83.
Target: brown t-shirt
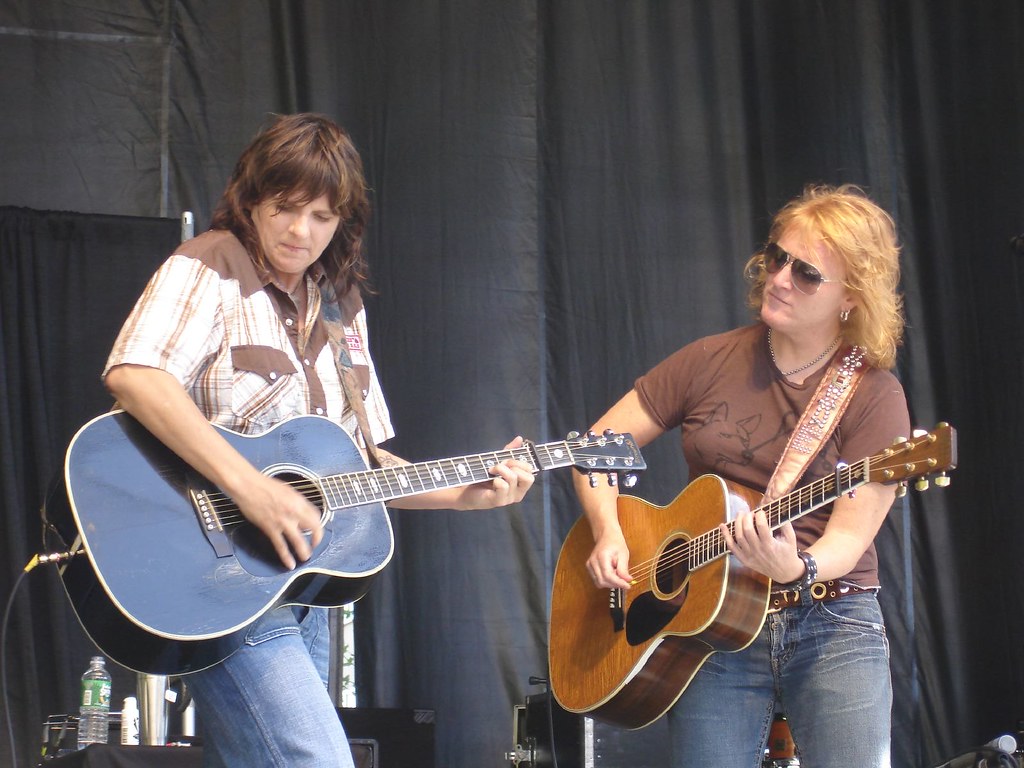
x=736 y=412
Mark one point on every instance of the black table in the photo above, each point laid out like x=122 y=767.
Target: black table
x=117 y=756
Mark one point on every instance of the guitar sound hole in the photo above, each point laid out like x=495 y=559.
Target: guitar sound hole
x=253 y=548
x=671 y=572
x=651 y=612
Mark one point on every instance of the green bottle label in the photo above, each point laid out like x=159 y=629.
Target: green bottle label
x=96 y=693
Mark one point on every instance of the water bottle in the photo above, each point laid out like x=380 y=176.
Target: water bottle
x=94 y=711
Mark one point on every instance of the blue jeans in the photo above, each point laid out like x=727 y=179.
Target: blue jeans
x=825 y=665
x=267 y=704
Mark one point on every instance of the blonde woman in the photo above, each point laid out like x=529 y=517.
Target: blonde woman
x=824 y=289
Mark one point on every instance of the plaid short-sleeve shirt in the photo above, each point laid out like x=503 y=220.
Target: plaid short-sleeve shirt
x=215 y=322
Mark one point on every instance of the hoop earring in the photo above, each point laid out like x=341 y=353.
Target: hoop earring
x=844 y=315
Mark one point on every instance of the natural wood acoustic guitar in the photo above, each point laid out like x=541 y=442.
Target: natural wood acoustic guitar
x=625 y=656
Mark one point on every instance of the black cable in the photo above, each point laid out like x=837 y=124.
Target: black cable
x=551 y=716
x=3 y=657
x=55 y=557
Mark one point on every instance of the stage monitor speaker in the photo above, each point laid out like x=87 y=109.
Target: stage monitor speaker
x=548 y=737
x=404 y=738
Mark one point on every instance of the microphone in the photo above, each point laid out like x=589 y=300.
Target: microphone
x=994 y=754
x=1006 y=743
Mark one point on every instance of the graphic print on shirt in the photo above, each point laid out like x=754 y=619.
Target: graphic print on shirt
x=720 y=442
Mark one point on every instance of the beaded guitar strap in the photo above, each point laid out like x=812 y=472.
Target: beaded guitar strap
x=819 y=420
x=331 y=312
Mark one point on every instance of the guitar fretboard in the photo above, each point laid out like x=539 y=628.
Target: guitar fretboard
x=355 y=488
x=710 y=545
x=609 y=454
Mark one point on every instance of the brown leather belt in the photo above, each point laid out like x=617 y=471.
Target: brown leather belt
x=821 y=591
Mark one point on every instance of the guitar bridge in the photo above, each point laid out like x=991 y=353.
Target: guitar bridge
x=206 y=512
x=616 y=600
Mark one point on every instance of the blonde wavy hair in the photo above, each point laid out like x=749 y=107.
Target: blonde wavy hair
x=856 y=230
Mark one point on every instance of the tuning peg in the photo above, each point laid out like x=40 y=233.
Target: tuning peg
x=613 y=479
x=613 y=436
x=919 y=432
x=901 y=490
x=921 y=484
x=572 y=435
x=629 y=480
x=899 y=440
x=592 y=479
x=942 y=480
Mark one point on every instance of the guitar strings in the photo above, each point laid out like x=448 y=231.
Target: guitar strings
x=892 y=464
x=361 y=487
x=711 y=544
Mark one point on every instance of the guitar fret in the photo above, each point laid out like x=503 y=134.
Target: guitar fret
x=402 y=478
x=328 y=491
x=437 y=477
x=355 y=488
x=331 y=492
x=361 y=489
x=451 y=472
x=434 y=473
x=415 y=474
x=543 y=453
x=486 y=464
x=372 y=486
x=389 y=477
x=345 y=489
x=550 y=455
x=704 y=550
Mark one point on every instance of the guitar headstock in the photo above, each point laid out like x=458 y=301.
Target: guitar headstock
x=925 y=454
x=610 y=453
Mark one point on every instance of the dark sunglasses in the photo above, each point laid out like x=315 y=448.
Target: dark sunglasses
x=806 y=277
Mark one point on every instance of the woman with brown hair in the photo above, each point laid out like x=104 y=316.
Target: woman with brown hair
x=257 y=320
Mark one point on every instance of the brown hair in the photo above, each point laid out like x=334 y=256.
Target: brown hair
x=856 y=230
x=298 y=158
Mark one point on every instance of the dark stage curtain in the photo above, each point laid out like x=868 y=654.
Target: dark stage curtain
x=68 y=282
x=564 y=193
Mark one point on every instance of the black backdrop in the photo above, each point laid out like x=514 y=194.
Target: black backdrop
x=564 y=193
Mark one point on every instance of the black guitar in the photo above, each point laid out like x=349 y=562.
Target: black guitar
x=166 y=574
